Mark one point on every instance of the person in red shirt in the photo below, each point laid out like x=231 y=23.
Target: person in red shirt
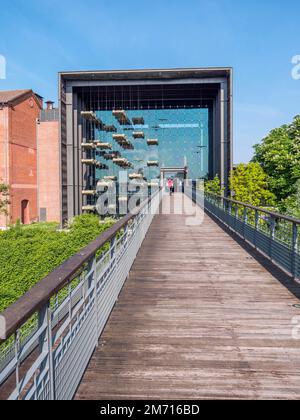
x=170 y=185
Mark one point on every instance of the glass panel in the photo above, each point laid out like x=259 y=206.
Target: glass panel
x=183 y=140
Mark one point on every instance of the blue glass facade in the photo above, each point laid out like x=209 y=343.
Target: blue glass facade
x=183 y=137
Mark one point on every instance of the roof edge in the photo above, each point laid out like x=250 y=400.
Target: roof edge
x=65 y=74
x=21 y=95
x=149 y=69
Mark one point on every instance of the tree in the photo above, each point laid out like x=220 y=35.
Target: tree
x=249 y=184
x=4 y=201
x=291 y=205
x=279 y=156
x=214 y=186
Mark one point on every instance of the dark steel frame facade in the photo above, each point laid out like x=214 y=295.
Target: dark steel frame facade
x=215 y=80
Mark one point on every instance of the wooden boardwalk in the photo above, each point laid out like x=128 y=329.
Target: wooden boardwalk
x=201 y=316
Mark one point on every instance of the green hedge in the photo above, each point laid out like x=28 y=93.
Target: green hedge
x=29 y=253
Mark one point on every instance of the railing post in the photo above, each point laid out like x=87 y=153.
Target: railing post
x=95 y=283
x=149 y=204
x=272 y=236
x=245 y=219
x=112 y=249
x=126 y=235
x=50 y=355
x=256 y=227
x=45 y=346
x=17 y=356
x=295 y=250
x=86 y=286
x=236 y=216
x=225 y=210
x=229 y=210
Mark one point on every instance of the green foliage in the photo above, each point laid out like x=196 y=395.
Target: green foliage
x=4 y=198
x=213 y=186
x=249 y=184
x=29 y=253
x=279 y=155
x=291 y=205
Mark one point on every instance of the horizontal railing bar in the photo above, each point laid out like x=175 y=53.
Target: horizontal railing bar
x=29 y=374
x=19 y=312
x=260 y=209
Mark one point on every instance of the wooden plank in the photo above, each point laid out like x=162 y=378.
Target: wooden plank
x=199 y=318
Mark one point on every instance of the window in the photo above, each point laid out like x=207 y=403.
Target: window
x=25 y=216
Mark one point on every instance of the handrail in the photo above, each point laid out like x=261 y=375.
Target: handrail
x=20 y=311
x=277 y=236
x=260 y=209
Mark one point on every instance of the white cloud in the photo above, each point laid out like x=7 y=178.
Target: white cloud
x=2 y=67
x=259 y=110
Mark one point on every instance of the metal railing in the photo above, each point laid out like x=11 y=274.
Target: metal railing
x=53 y=330
x=275 y=235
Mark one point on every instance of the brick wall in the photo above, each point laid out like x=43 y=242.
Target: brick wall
x=18 y=157
x=4 y=156
x=23 y=157
x=29 y=162
x=48 y=171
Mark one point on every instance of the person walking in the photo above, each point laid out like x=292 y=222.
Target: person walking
x=170 y=185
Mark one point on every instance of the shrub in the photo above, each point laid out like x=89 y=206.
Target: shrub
x=214 y=186
x=29 y=253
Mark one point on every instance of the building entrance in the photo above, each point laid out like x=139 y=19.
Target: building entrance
x=178 y=175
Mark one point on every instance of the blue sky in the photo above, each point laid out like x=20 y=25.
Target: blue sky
x=258 y=38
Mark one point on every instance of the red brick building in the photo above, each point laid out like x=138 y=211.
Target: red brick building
x=20 y=113
x=48 y=159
